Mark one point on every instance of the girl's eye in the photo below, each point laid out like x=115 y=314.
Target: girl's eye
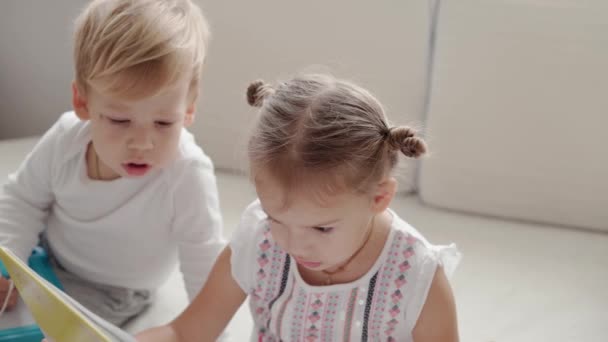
x=118 y=121
x=164 y=123
x=324 y=229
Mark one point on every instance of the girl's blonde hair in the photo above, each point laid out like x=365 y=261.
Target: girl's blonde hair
x=319 y=133
x=134 y=48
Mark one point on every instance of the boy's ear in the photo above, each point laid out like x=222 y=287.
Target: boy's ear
x=79 y=102
x=383 y=195
x=190 y=112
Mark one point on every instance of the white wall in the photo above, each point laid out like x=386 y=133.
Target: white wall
x=35 y=63
x=382 y=44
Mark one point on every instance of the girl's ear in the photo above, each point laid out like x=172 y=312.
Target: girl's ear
x=383 y=194
x=79 y=102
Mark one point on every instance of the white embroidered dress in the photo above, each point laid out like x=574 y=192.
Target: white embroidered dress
x=383 y=305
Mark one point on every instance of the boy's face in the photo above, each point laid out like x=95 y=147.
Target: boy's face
x=132 y=137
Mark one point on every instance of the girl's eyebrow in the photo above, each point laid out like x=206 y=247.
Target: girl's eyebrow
x=327 y=223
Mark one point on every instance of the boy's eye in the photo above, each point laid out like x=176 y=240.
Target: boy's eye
x=119 y=121
x=324 y=229
x=164 y=123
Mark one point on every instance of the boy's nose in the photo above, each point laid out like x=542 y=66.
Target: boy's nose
x=140 y=140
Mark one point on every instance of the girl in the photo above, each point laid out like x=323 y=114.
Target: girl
x=320 y=254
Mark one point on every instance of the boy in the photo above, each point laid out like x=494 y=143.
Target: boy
x=117 y=190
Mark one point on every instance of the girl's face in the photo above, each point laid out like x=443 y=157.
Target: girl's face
x=318 y=235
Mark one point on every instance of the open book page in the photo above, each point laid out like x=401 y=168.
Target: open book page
x=60 y=317
x=112 y=331
x=20 y=316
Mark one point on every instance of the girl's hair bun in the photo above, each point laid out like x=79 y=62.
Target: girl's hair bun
x=403 y=138
x=257 y=92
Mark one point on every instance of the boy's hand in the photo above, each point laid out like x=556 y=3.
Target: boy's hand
x=4 y=287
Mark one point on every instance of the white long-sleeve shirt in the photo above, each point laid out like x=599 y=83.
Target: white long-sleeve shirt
x=128 y=232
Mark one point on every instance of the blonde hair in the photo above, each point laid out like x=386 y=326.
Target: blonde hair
x=320 y=131
x=136 y=47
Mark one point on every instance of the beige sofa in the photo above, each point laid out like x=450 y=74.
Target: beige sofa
x=512 y=106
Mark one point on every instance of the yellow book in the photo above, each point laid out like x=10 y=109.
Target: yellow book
x=60 y=317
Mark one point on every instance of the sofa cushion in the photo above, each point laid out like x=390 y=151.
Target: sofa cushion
x=517 y=116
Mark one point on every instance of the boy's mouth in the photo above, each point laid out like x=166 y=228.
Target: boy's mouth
x=136 y=169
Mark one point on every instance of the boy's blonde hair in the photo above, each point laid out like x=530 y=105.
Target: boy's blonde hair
x=319 y=133
x=133 y=48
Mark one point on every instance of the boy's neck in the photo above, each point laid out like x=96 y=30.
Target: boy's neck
x=96 y=170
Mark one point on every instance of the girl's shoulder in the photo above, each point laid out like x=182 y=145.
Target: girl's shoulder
x=411 y=266
x=252 y=247
x=420 y=250
x=252 y=225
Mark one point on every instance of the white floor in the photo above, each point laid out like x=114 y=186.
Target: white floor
x=517 y=282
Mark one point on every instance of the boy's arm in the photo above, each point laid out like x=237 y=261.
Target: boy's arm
x=437 y=321
x=198 y=225
x=27 y=196
x=209 y=313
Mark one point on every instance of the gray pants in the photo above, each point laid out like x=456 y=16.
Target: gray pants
x=117 y=305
